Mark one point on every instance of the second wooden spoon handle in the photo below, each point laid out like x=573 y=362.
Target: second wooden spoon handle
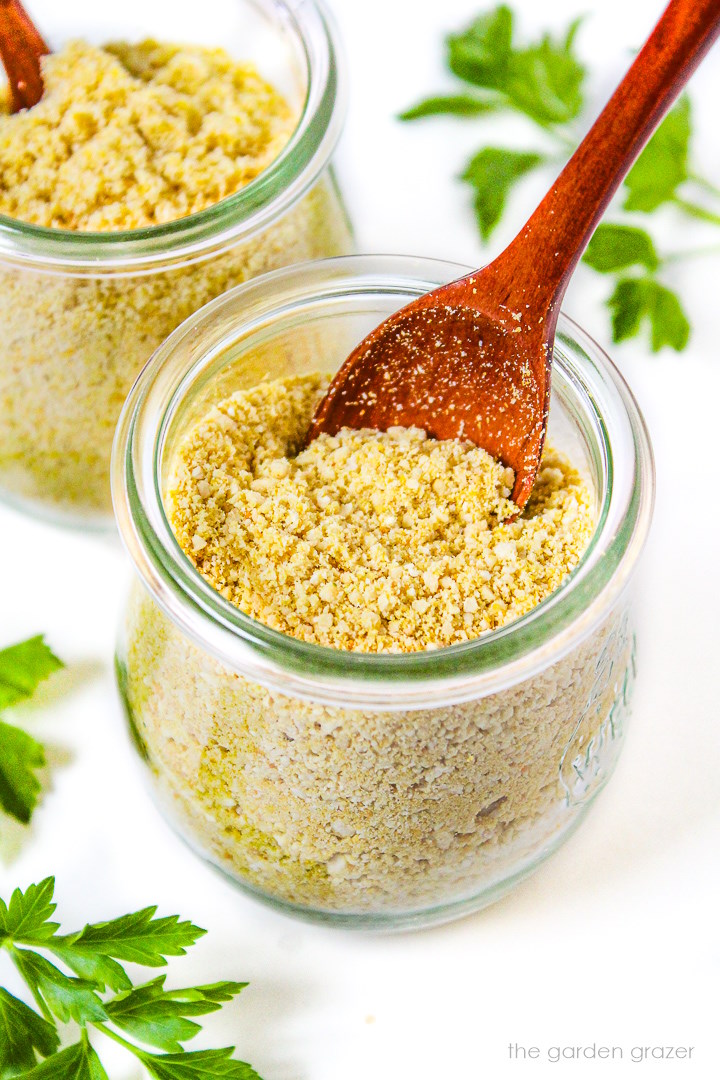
x=556 y=235
x=21 y=46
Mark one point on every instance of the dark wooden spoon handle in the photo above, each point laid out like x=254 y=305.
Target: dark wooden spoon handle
x=556 y=235
x=21 y=46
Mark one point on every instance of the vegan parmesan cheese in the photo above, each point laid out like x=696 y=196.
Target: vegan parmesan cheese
x=134 y=135
x=126 y=137
x=369 y=542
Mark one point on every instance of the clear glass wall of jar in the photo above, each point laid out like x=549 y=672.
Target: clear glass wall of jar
x=371 y=789
x=80 y=313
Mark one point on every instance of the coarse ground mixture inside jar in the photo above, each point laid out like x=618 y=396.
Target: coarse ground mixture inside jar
x=365 y=540
x=128 y=136
x=371 y=542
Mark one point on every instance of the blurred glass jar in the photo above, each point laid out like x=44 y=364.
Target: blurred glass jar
x=80 y=312
x=371 y=789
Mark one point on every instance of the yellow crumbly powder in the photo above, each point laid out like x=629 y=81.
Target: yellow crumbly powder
x=368 y=541
x=128 y=136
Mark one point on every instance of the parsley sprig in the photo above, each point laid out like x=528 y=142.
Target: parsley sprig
x=95 y=991
x=22 y=668
x=545 y=82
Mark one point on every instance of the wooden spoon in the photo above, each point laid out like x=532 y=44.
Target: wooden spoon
x=471 y=359
x=21 y=47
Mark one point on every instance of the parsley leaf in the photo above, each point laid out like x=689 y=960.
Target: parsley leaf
x=638 y=299
x=481 y=53
x=64 y=997
x=77 y=1062
x=198 y=1065
x=663 y=164
x=22 y=1032
x=615 y=247
x=160 y=1017
x=23 y=667
x=157 y=1017
x=101 y=971
x=450 y=104
x=670 y=324
x=544 y=80
x=627 y=305
x=27 y=917
x=492 y=173
x=138 y=938
x=20 y=757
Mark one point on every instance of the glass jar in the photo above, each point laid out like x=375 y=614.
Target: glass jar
x=81 y=312
x=371 y=789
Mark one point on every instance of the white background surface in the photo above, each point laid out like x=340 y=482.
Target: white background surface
x=616 y=939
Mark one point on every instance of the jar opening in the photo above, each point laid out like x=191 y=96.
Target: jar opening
x=309 y=33
x=588 y=391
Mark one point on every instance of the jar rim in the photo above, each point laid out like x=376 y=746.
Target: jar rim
x=238 y=216
x=458 y=672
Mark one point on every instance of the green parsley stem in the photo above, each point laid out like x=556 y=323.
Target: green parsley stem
x=706 y=185
x=99 y=1026
x=690 y=253
x=568 y=144
x=42 y=1006
x=696 y=211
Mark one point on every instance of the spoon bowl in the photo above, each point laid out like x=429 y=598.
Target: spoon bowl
x=459 y=362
